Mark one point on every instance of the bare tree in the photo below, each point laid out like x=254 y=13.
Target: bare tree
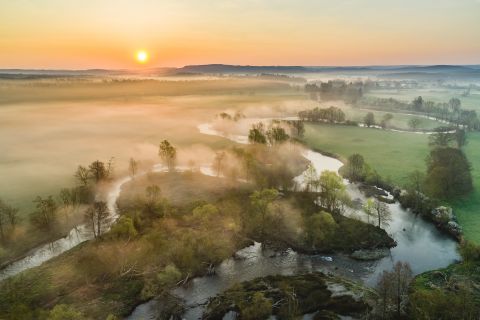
x=133 y=167
x=393 y=286
x=97 y=216
x=82 y=175
x=218 y=161
x=382 y=212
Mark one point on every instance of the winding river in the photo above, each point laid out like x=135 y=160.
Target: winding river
x=418 y=242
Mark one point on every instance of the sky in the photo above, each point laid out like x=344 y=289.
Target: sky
x=82 y=34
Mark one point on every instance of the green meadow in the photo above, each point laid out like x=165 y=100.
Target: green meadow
x=394 y=155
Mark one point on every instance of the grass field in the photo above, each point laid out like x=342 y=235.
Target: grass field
x=394 y=155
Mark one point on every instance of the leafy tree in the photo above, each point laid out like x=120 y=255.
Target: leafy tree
x=319 y=228
x=169 y=276
x=124 y=228
x=257 y=134
x=417 y=103
x=97 y=216
x=168 y=153
x=310 y=178
x=440 y=139
x=277 y=135
x=369 y=119
x=332 y=190
x=355 y=166
x=205 y=214
x=448 y=173
x=460 y=138
x=414 y=123
x=386 y=120
x=44 y=217
x=260 y=201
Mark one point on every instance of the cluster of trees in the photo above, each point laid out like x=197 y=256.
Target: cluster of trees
x=8 y=220
x=274 y=135
x=227 y=116
x=357 y=170
x=329 y=187
x=336 y=90
x=448 y=173
x=168 y=154
x=332 y=115
x=450 y=111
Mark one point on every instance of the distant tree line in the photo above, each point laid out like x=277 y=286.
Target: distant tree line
x=350 y=92
x=331 y=114
x=450 y=111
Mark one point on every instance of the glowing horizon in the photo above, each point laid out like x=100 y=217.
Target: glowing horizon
x=108 y=34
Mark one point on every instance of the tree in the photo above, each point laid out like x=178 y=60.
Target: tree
x=393 y=287
x=455 y=105
x=168 y=154
x=299 y=128
x=133 y=167
x=260 y=201
x=152 y=193
x=355 y=166
x=277 y=135
x=256 y=135
x=310 y=178
x=386 y=120
x=460 y=138
x=415 y=189
x=218 y=162
x=382 y=213
x=448 y=173
x=124 y=228
x=417 y=103
x=414 y=123
x=332 y=190
x=44 y=217
x=98 y=171
x=319 y=228
x=440 y=138
x=369 y=119
x=97 y=215
x=82 y=175
x=206 y=214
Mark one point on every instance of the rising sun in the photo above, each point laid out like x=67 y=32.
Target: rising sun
x=142 y=56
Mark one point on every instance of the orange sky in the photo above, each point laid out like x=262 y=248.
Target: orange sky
x=78 y=34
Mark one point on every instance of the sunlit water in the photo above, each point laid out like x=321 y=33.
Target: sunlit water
x=418 y=242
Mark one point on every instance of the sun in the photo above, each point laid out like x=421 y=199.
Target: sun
x=142 y=56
